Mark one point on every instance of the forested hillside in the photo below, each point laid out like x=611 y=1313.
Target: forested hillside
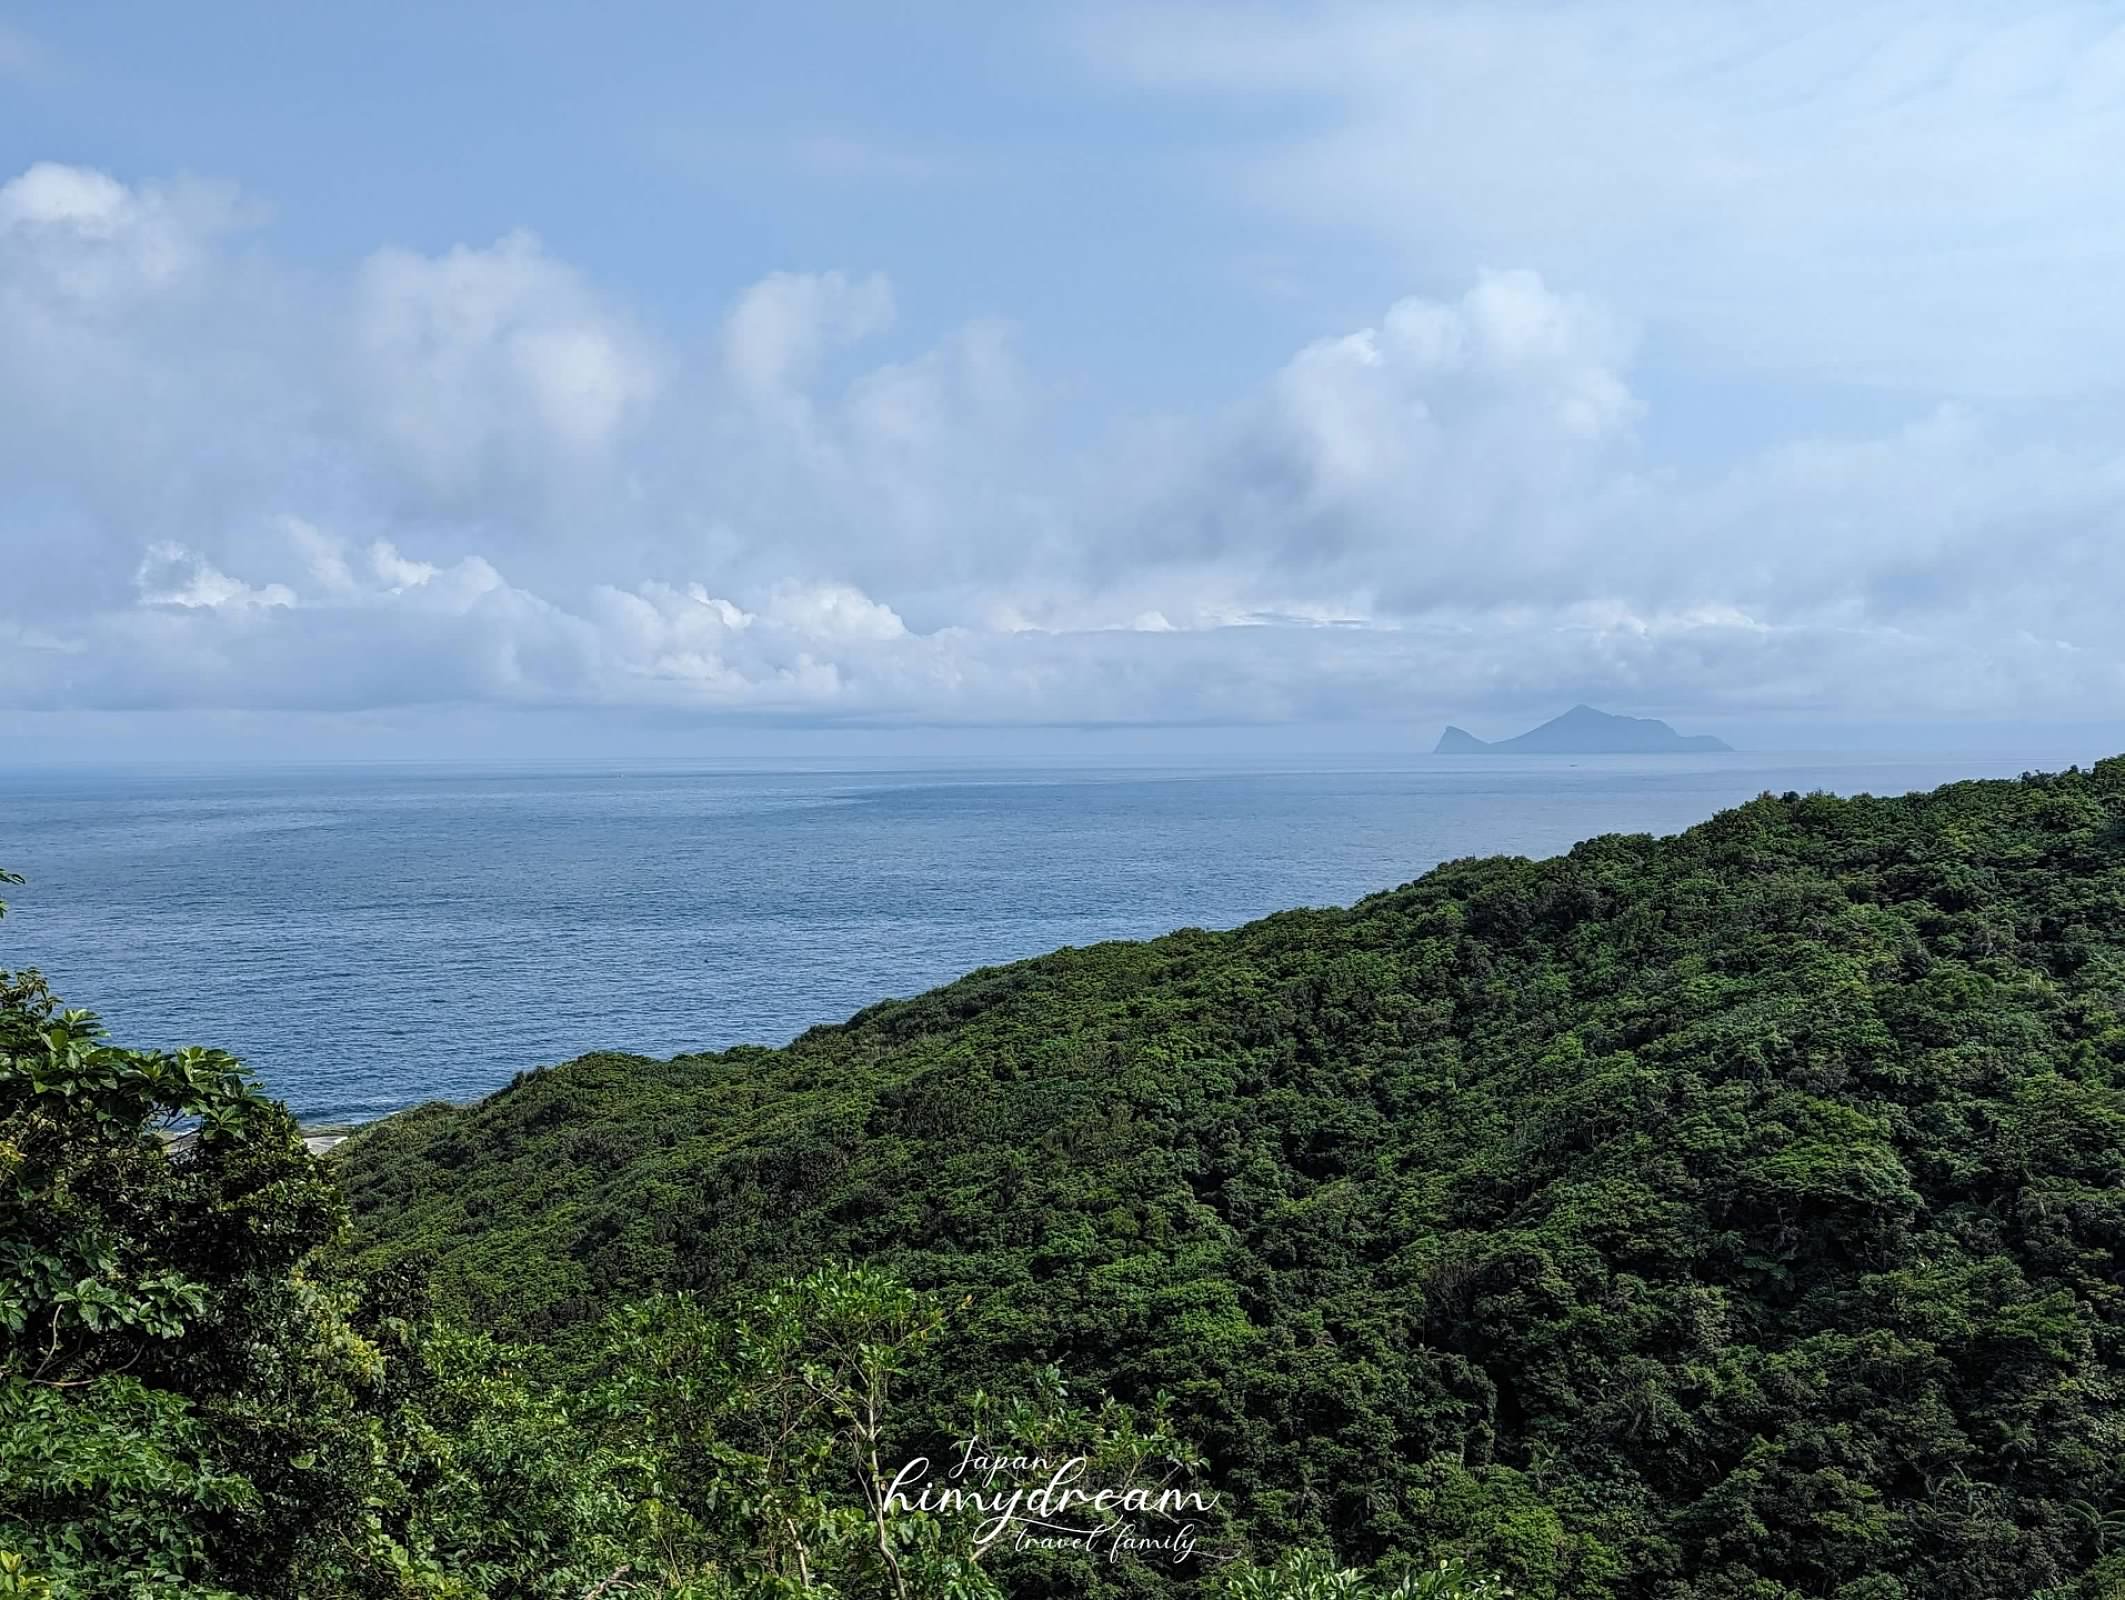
x=1735 y=1216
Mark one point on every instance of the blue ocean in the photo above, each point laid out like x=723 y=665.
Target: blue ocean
x=368 y=938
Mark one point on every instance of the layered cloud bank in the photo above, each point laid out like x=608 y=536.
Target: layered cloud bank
x=474 y=477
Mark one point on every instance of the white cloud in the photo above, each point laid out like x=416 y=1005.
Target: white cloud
x=79 y=235
x=50 y=195
x=324 y=556
x=1433 y=458
x=472 y=476
x=171 y=575
x=492 y=362
x=394 y=571
x=786 y=323
x=832 y=611
x=1913 y=195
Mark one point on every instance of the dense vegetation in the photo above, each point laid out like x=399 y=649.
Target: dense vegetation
x=1736 y=1216
x=1731 y=1215
x=199 y=1400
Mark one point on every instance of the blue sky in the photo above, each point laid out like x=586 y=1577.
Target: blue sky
x=676 y=154
x=374 y=371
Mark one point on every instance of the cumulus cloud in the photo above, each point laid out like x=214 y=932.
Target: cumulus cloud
x=171 y=575
x=78 y=236
x=486 y=368
x=474 y=476
x=1429 y=458
x=785 y=323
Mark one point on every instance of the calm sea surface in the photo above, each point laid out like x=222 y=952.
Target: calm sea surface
x=369 y=938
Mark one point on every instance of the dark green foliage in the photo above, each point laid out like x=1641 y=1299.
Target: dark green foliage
x=165 y=1369
x=1735 y=1216
x=1312 y=1575
x=192 y=1404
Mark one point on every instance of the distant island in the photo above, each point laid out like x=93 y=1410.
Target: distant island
x=1583 y=731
